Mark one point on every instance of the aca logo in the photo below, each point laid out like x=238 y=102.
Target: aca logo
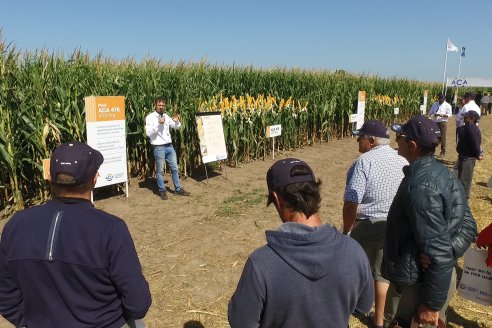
x=459 y=83
x=109 y=177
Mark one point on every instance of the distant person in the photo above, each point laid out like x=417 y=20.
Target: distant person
x=468 y=148
x=440 y=112
x=468 y=104
x=308 y=274
x=429 y=218
x=372 y=182
x=157 y=126
x=484 y=105
x=67 y=264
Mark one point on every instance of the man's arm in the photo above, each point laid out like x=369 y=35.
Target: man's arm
x=433 y=239
x=246 y=305
x=126 y=273
x=349 y=215
x=366 y=298
x=174 y=122
x=11 y=301
x=151 y=126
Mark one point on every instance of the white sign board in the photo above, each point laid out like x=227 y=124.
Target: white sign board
x=353 y=118
x=396 y=110
x=361 y=109
x=106 y=132
x=469 y=82
x=425 y=98
x=274 y=131
x=423 y=109
x=211 y=136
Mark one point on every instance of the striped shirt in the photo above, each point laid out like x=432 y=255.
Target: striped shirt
x=372 y=181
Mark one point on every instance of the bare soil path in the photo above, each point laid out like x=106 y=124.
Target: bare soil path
x=193 y=249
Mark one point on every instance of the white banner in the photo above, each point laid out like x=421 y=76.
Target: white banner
x=211 y=136
x=105 y=118
x=469 y=82
x=361 y=109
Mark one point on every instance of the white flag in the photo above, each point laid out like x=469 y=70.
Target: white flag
x=451 y=47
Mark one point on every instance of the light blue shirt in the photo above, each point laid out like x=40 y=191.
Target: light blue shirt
x=372 y=181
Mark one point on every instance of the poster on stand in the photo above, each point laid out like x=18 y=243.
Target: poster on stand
x=211 y=136
x=106 y=132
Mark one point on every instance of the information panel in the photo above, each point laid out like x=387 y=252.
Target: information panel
x=361 y=109
x=105 y=118
x=211 y=136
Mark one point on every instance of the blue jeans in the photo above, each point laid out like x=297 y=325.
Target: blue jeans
x=166 y=153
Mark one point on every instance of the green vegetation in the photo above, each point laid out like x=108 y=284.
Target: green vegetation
x=42 y=104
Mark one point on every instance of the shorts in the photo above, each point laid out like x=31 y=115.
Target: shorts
x=370 y=235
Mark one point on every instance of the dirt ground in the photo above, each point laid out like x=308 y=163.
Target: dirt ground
x=193 y=249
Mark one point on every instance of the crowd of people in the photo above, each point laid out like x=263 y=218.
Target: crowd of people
x=406 y=221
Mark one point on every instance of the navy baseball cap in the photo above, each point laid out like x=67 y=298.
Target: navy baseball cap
x=420 y=129
x=473 y=115
x=372 y=128
x=288 y=171
x=76 y=159
x=442 y=97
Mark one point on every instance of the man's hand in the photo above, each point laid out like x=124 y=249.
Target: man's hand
x=426 y=315
x=176 y=118
x=425 y=261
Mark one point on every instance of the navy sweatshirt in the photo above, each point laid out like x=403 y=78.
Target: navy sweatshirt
x=469 y=140
x=303 y=277
x=67 y=264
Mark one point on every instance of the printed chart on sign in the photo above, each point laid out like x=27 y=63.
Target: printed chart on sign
x=211 y=136
x=106 y=132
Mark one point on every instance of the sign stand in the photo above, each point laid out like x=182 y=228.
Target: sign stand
x=106 y=132
x=353 y=119
x=273 y=131
x=211 y=137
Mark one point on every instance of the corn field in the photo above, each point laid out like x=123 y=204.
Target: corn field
x=42 y=105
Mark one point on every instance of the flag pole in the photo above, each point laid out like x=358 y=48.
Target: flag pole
x=459 y=75
x=445 y=66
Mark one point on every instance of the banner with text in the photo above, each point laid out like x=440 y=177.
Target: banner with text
x=469 y=82
x=105 y=118
x=211 y=136
x=361 y=109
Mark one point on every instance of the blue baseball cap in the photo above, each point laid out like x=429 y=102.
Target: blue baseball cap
x=420 y=129
x=285 y=172
x=373 y=128
x=76 y=159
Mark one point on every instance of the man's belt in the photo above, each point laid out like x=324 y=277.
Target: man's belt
x=164 y=145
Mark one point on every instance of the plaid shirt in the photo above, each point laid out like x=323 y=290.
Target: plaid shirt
x=372 y=181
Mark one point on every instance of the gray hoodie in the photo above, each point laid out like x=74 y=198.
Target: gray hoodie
x=303 y=277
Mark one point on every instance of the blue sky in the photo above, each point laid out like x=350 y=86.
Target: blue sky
x=404 y=39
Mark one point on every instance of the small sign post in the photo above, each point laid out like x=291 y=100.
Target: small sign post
x=353 y=119
x=396 y=111
x=273 y=131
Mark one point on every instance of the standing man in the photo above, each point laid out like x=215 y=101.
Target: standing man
x=372 y=182
x=469 y=104
x=157 y=126
x=429 y=218
x=440 y=112
x=67 y=264
x=468 y=148
x=484 y=103
x=308 y=274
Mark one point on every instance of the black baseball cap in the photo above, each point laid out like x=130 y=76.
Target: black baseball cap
x=420 y=129
x=442 y=97
x=76 y=159
x=288 y=171
x=373 y=128
x=473 y=115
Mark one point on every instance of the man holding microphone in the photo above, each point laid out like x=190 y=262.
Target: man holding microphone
x=157 y=126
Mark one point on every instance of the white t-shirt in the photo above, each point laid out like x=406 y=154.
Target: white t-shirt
x=471 y=105
x=441 y=109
